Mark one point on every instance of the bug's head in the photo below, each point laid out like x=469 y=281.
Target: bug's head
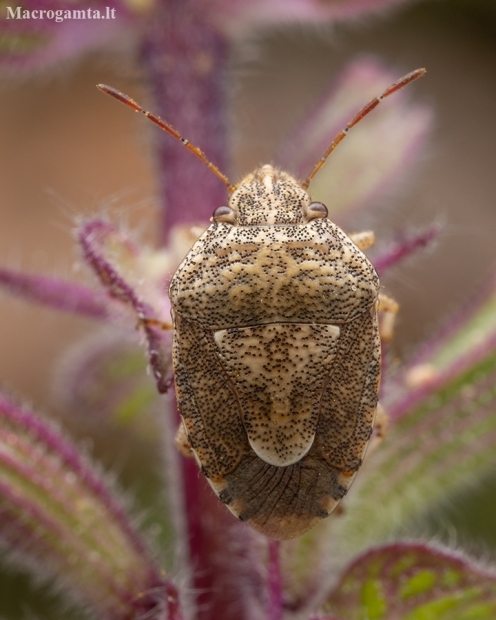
x=269 y=196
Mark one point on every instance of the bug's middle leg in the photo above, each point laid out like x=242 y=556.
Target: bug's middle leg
x=182 y=442
x=389 y=309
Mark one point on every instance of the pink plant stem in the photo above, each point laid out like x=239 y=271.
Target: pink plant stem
x=226 y=581
x=275 y=582
x=56 y=293
x=184 y=59
x=405 y=247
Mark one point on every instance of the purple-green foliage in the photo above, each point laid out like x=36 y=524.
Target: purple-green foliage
x=62 y=521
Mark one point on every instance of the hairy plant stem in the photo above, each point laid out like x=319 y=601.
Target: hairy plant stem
x=184 y=59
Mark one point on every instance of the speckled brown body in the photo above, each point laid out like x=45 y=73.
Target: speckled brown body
x=276 y=356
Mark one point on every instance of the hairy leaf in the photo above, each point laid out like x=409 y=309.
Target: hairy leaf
x=413 y=581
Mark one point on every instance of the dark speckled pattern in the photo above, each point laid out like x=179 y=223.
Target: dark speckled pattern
x=276 y=356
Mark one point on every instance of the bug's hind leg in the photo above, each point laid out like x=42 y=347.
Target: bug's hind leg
x=381 y=424
x=380 y=429
x=363 y=240
x=389 y=309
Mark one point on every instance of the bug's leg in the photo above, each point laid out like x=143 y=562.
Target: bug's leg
x=389 y=309
x=181 y=441
x=363 y=240
x=421 y=375
x=145 y=322
x=381 y=424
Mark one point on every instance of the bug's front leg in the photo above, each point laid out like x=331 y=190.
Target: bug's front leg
x=389 y=308
x=145 y=322
x=363 y=240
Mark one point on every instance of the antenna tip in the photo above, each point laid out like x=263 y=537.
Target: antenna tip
x=418 y=73
x=104 y=88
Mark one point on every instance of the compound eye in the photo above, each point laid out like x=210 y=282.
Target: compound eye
x=226 y=215
x=314 y=211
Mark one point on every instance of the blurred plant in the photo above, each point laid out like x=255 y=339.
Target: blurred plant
x=61 y=519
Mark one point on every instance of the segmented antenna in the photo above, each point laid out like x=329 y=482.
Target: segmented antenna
x=406 y=79
x=116 y=94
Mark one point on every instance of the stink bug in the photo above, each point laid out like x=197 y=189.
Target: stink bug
x=277 y=346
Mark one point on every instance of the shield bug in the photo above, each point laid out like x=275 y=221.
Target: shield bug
x=277 y=346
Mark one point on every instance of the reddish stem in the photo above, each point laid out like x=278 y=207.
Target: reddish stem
x=217 y=546
x=173 y=609
x=406 y=246
x=56 y=293
x=275 y=582
x=184 y=58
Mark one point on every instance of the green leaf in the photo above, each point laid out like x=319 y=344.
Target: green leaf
x=465 y=332
x=414 y=582
x=63 y=521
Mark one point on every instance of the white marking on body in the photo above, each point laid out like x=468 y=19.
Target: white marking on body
x=278 y=371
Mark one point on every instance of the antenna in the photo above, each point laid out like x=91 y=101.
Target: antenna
x=116 y=94
x=406 y=79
